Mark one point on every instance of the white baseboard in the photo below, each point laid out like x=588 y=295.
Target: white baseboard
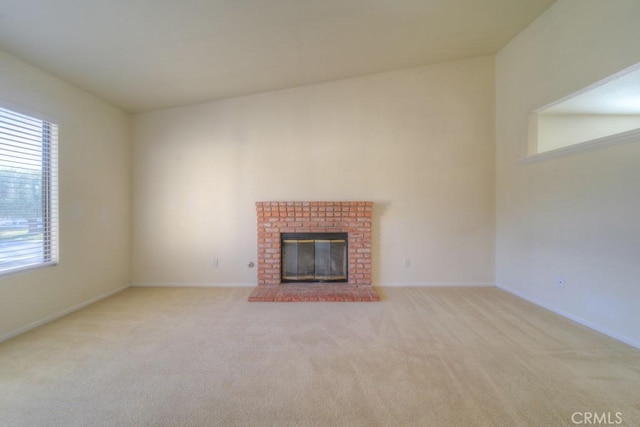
x=435 y=285
x=253 y=285
x=570 y=316
x=192 y=285
x=53 y=317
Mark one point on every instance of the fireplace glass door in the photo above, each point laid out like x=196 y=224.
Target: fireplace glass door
x=314 y=257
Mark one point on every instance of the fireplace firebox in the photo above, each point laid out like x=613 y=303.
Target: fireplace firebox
x=314 y=257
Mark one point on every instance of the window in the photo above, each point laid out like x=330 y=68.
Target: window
x=28 y=192
x=605 y=113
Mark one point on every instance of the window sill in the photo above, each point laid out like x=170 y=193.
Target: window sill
x=26 y=268
x=583 y=147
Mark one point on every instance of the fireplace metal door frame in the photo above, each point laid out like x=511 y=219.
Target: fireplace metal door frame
x=314 y=257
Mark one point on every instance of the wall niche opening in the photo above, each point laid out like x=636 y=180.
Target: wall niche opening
x=604 y=113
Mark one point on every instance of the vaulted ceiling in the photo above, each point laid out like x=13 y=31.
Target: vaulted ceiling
x=149 y=54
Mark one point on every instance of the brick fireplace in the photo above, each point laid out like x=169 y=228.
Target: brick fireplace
x=276 y=218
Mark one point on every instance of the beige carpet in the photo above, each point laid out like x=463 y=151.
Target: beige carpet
x=420 y=357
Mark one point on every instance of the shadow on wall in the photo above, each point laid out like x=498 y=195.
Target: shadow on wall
x=379 y=209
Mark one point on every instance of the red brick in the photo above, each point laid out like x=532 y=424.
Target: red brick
x=353 y=218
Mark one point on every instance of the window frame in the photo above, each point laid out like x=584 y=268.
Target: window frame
x=45 y=252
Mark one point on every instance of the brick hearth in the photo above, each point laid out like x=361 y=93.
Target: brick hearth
x=353 y=218
x=313 y=292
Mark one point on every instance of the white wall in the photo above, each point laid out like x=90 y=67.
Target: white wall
x=94 y=183
x=417 y=142
x=574 y=217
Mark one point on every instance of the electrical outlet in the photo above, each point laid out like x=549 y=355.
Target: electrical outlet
x=406 y=262
x=560 y=283
x=214 y=262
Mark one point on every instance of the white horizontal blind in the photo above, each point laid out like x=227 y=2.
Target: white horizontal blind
x=28 y=192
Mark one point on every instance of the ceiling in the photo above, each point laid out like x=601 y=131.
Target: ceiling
x=149 y=54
